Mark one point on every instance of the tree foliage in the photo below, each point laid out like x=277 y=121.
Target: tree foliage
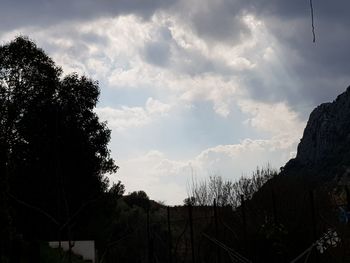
x=138 y=198
x=117 y=190
x=53 y=152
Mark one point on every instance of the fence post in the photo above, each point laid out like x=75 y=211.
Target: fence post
x=313 y=214
x=244 y=218
x=149 y=240
x=347 y=211
x=15 y=251
x=191 y=231
x=169 y=236
x=313 y=218
x=347 y=198
x=218 y=255
x=274 y=209
x=34 y=247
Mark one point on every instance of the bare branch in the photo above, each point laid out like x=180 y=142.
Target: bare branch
x=38 y=209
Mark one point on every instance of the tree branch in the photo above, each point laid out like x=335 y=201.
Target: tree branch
x=38 y=209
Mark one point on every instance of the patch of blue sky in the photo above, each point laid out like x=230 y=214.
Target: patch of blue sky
x=124 y=96
x=184 y=133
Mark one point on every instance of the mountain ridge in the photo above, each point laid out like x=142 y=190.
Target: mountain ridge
x=325 y=144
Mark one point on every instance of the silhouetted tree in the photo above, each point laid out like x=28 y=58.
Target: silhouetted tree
x=226 y=192
x=54 y=151
x=138 y=198
x=117 y=190
x=189 y=201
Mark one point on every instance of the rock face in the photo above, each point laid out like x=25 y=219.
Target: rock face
x=327 y=133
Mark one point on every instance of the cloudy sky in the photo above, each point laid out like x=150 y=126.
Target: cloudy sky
x=194 y=87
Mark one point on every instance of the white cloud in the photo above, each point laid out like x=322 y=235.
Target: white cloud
x=283 y=124
x=231 y=161
x=112 y=50
x=124 y=118
x=280 y=122
x=156 y=107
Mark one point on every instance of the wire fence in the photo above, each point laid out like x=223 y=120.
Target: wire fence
x=274 y=226
x=309 y=227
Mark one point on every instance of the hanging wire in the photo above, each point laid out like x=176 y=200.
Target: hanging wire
x=312 y=22
x=232 y=253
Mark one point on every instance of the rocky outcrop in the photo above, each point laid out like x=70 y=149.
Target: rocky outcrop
x=327 y=133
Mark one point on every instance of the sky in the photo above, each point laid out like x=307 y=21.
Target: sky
x=194 y=88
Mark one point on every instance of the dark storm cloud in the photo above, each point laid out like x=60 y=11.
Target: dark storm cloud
x=20 y=13
x=220 y=21
x=293 y=9
x=164 y=51
x=318 y=72
x=321 y=69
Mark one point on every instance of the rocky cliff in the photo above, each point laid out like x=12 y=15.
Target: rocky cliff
x=326 y=138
